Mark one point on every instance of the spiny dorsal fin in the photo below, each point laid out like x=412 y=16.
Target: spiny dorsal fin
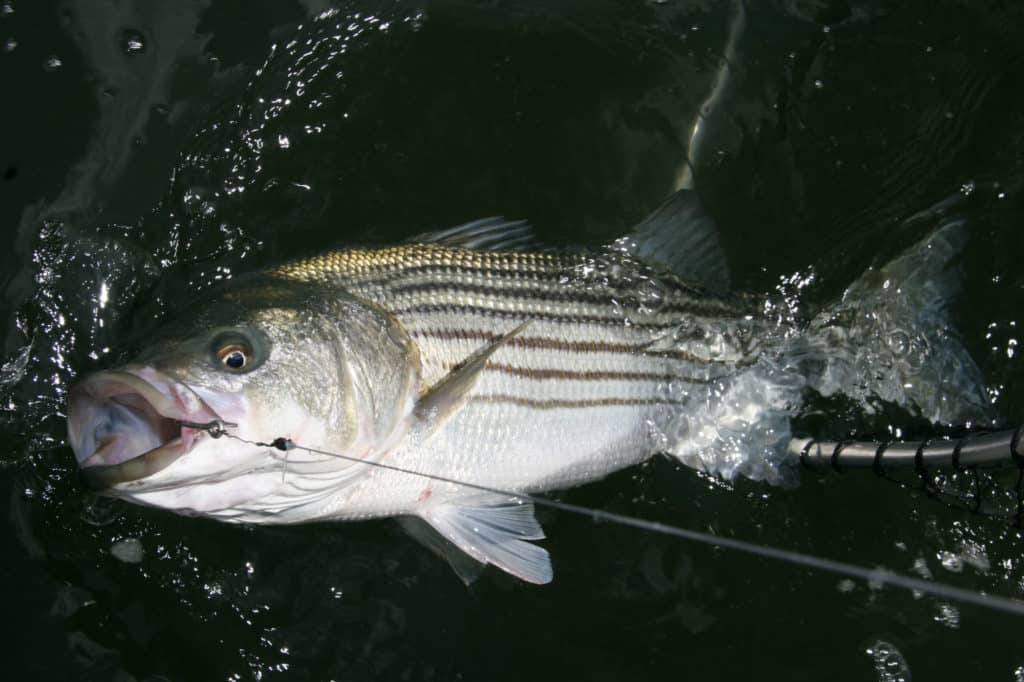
x=680 y=236
x=493 y=529
x=448 y=395
x=490 y=234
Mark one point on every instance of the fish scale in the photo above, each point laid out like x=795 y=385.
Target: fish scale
x=567 y=309
x=582 y=370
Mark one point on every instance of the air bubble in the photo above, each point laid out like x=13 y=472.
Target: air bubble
x=951 y=562
x=890 y=666
x=14 y=369
x=651 y=295
x=949 y=616
x=918 y=354
x=899 y=343
x=129 y=550
x=132 y=42
x=974 y=554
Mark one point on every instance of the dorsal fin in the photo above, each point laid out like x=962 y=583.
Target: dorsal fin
x=492 y=234
x=680 y=236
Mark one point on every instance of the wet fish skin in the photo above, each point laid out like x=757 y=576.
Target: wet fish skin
x=523 y=371
x=594 y=352
x=614 y=351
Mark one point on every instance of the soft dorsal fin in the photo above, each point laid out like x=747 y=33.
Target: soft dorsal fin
x=491 y=234
x=448 y=395
x=493 y=529
x=680 y=236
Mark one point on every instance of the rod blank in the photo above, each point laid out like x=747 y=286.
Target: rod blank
x=995 y=448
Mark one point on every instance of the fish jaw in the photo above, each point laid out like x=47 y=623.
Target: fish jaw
x=124 y=425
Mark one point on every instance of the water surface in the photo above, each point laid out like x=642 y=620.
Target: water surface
x=149 y=152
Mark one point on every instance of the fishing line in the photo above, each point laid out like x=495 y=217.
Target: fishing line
x=877 y=576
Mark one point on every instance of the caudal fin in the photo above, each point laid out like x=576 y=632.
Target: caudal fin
x=890 y=337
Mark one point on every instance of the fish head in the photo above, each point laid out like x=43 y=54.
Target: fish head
x=269 y=359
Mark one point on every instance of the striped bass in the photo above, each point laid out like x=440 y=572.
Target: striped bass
x=526 y=371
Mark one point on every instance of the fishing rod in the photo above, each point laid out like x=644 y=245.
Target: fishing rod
x=874 y=577
x=999 y=448
x=974 y=458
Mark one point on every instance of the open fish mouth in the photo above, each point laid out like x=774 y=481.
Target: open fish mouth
x=125 y=425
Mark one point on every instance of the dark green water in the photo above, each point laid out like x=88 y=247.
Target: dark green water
x=175 y=144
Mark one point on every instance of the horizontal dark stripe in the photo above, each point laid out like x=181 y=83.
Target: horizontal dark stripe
x=545 y=343
x=556 y=404
x=385 y=267
x=524 y=315
x=564 y=295
x=584 y=375
x=574 y=375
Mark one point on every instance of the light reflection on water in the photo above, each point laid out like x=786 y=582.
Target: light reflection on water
x=405 y=120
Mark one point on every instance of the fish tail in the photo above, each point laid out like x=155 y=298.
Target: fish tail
x=890 y=336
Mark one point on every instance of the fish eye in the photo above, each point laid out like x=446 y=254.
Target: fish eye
x=234 y=352
x=233 y=356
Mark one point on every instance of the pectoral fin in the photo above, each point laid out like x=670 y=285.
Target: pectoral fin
x=448 y=395
x=493 y=529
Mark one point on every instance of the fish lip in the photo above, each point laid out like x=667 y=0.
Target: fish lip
x=162 y=399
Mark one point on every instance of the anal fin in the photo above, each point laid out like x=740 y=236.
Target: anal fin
x=466 y=567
